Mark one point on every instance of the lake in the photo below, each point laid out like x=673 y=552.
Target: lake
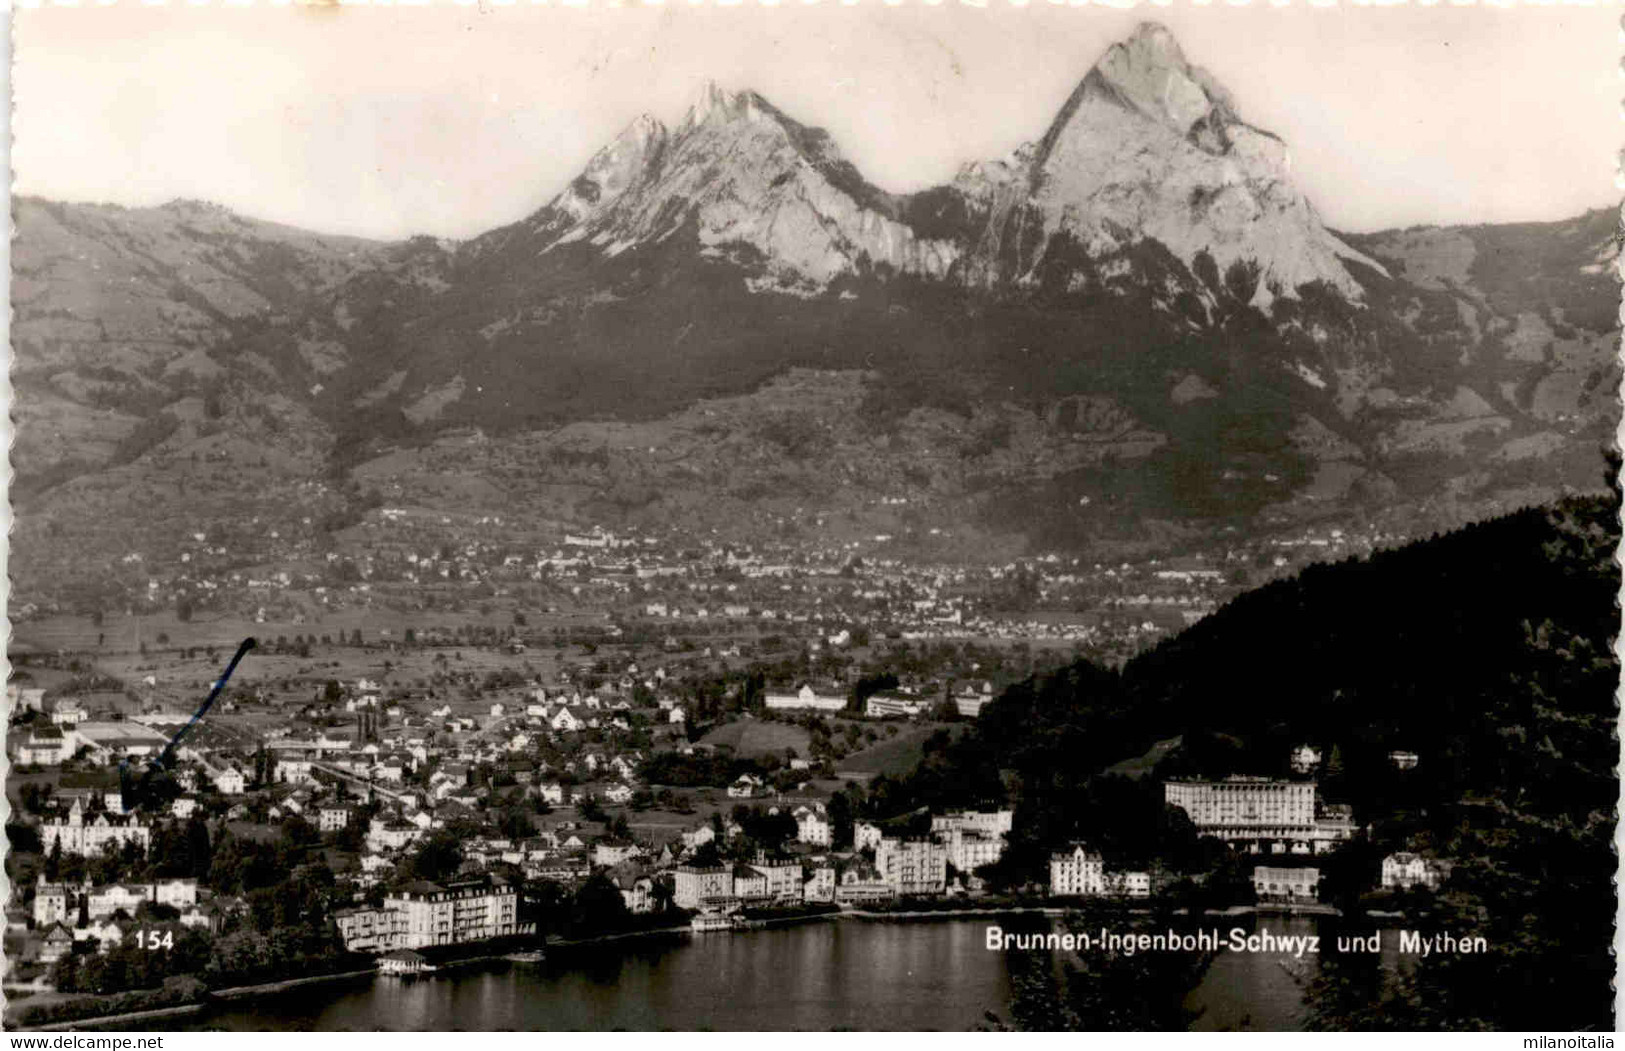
x=834 y=974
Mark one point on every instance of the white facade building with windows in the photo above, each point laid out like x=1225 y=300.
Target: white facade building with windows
x=1076 y=873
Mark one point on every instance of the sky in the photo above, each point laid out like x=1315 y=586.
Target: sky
x=449 y=120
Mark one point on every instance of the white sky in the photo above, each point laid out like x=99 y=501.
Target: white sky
x=450 y=120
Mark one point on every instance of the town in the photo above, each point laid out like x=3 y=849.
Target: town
x=458 y=811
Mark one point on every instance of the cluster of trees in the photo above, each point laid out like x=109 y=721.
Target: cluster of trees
x=593 y=908
x=702 y=769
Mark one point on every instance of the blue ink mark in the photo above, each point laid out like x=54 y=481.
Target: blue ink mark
x=132 y=794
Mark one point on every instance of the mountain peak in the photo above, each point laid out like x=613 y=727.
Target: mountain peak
x=714 y=103
x=1154 y=38
x=1149 y=72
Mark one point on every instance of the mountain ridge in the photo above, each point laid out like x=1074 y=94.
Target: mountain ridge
x=992 y=321
x=814 y=216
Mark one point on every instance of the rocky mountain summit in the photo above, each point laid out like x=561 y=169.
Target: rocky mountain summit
x=1147 y=148
x=745 y=176
x=1150 y=147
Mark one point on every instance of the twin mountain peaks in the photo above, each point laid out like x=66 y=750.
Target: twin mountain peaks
x=1147 y=147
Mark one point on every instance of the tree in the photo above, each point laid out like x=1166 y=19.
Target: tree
x=514 y=823
x=437 y=857
x=840 y=821
x=597 y=907
x=65 y=973
x=297 y=832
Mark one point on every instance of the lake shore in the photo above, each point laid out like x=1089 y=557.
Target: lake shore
x=244 y=992
x=914 y=914
x=237 y=992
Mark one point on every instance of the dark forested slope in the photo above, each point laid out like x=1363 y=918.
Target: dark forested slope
x=1487 y=651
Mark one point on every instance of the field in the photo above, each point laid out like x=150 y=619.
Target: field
x=119 y=633
x=1141 y=765
x=750 y=738
x=894 y=756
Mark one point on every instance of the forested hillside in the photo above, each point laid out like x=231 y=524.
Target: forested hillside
x=1487 y=651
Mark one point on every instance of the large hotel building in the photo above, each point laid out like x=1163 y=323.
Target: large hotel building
x=422 y=914
x=1261 y=814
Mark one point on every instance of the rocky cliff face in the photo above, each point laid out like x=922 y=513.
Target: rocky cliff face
x=1150 y=148
x=1147 y=149
x=748 y=179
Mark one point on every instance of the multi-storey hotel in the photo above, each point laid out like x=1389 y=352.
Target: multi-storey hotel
x=987 y=822
x=973 y=838
x=913 y=866
x=1261 y=814
x=697 y=885
x=421 y=914
x=1076 y=873
x=458 y=911
x=969 y=850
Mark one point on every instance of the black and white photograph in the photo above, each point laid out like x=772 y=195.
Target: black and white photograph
x=813 y=517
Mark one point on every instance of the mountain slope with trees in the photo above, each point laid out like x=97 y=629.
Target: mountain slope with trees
x=1488 y=651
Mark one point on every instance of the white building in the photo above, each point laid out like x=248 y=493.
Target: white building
x=1289 y=883
x=694 y=886
x=820 y=885
x=50 y=904
x=230 y=781
x=784 y=878
x=1128 y=884
x=46 y=746
x=813 y=827
x=1305 y=760
x=805 y=698
x=890 y=703
x=987 y=822
x=913 y=866
x=1076 y=873
x=1252 y=812
x=1404 y=870
x=79 y=836
x=422 y=914
x=865 y=836
x=969 y=849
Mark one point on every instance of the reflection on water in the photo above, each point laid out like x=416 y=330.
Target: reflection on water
x=844 y=974
x=819 y=976
x=1265 y=991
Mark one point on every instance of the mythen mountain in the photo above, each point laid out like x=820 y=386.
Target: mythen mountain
x=1133 y=333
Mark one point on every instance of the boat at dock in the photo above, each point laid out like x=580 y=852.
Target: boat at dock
x=707 y=922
